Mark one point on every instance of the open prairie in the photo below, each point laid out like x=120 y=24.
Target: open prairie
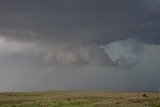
x=76 y=99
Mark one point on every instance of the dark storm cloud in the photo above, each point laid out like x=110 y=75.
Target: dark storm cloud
x=41 y=40
x=72 y=31
x=87 y=21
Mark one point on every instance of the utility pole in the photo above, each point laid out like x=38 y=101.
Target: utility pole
x=82 y=84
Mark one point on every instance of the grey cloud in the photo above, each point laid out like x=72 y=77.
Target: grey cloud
x=20 y=35
x=154 y=5
x=61 y=25
x=125 y=53
x=44 y=39
x=75 y=54
x=144 y=77
x=126 y=63
x=88 y=21
x=65 y=53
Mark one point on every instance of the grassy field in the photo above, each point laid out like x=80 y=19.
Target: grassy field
x=74 y=99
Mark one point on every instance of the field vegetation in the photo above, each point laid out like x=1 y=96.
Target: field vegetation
x=74 y=99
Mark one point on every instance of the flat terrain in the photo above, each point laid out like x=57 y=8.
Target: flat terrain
x=74 y=99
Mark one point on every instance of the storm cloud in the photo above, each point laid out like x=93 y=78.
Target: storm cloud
x=72 y=34
x=88 y=21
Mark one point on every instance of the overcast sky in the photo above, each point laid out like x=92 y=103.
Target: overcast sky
x=49 y=44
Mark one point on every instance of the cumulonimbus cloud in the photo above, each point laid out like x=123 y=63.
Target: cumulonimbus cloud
x=72 y=32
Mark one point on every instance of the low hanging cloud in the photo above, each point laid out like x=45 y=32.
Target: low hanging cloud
x=14 y=47
x=65 y=53
x=125 y=53
x=76 y=54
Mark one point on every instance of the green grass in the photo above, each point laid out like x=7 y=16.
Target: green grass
x=74 y=99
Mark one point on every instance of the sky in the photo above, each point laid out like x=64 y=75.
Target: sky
x=51 y=44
